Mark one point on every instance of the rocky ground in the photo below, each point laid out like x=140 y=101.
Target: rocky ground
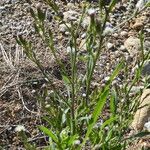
x=20 y=79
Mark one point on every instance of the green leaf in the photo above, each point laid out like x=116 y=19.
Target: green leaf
x=97 y=111
x=148 y=4
x=32 y=13
x=108 y=122
x=53 y=5
x=112 y=102
x=41 y=15
x=112 y=5
x=66 y=79
x=116 y=71
x=138 y=135
x=72 y=139
x=49 y=133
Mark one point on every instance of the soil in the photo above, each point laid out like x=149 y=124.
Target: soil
x=21 y=80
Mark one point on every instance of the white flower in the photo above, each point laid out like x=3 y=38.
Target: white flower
x=91 y=11
x=20 y=128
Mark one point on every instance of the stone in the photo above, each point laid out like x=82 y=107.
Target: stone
x=110 y=45
x=143 y=113
x=115 y=35
x=106 y=78
x=122 y=48
x=82 y=46
x=63 y=28
x=146 y=69
x=137 y=25
x=132 y=44
x=69 y=15
x=85 y=22
x=83 y=35
x=147 y=126
x=124 y=33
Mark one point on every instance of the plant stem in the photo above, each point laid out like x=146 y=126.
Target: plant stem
x=95 y=60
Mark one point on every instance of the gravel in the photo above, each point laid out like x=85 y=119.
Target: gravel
x=15 y=20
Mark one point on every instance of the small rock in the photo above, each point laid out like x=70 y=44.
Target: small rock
x=69 y=49
x=148 y=30
x=147 y=126
x=83 y=35
x=2 y=8
x=67 y=33
x=132 y=44
x=124 y=33
x=122 y=48
x=108 y=29
x=62 y=28
x=72 y=18
x=82 y=45
x=115 y=35
x=106 y=78
x=69 y=15
x=146 y=69
x=110 y=45
x=137 y=25
x=70 y=6
x=85 y=22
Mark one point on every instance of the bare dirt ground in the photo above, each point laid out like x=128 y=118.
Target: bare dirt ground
x=21 y=81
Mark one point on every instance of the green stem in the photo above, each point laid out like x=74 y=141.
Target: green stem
x=95 y=60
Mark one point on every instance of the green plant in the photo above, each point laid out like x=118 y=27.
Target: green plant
x=72 y=119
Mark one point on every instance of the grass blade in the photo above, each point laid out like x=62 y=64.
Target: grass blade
x=49 y=133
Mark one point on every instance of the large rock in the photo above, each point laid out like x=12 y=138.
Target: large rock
x=143 y=113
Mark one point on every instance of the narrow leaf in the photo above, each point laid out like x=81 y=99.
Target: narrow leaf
x=49 y=133
x=41 y=15
x=96 y=113
x=112 y=5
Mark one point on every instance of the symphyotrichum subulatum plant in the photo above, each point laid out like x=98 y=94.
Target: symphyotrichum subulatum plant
x=74 y=120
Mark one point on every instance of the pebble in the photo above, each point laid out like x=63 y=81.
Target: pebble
x=110 y=45
x=85 y=22
x=146 y=69
x=115 y=35
x=106 y=78
x=124 y=33
x=122 y=48
x=70 y=6
x=83 y=35
x=137 y=25
x=69 y=15
x=2 y=8
x=147 y=126
x=62 y=28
